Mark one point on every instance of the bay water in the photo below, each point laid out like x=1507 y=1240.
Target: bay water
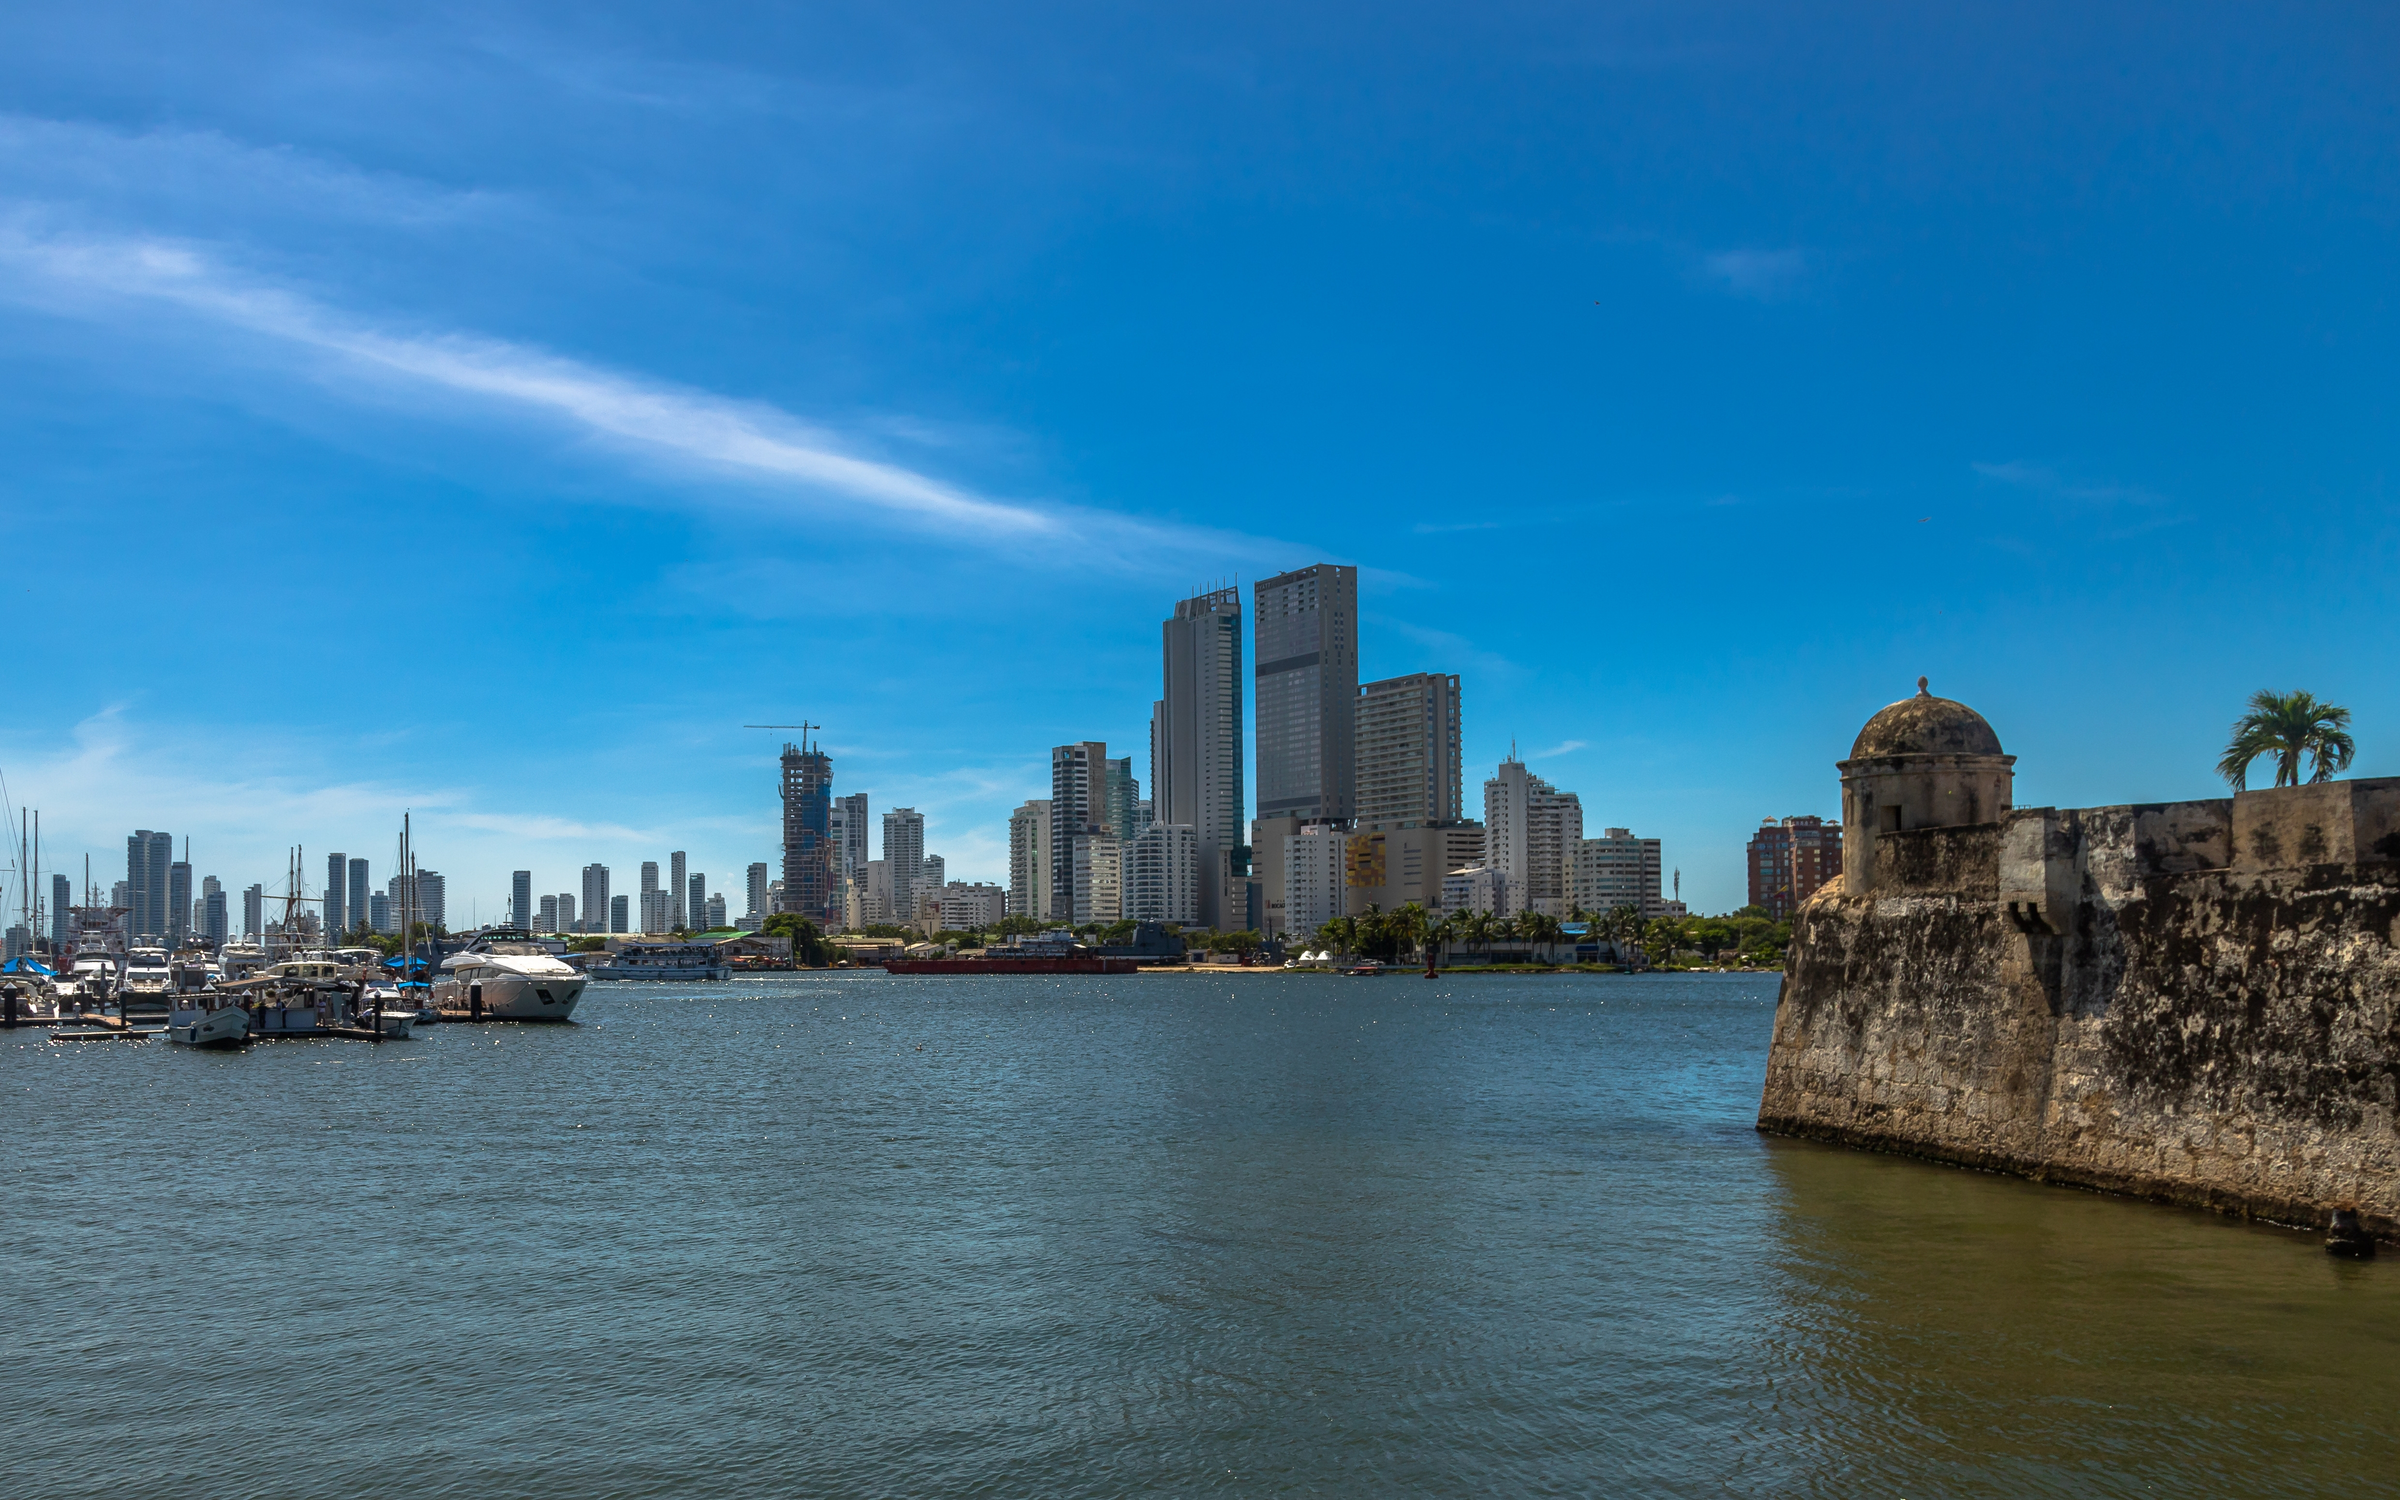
x=855 y=1234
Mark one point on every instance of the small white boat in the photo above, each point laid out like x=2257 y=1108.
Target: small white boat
x=508 y=976
x=220 y=1023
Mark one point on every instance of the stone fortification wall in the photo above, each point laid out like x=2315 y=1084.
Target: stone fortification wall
x=2197 y=1002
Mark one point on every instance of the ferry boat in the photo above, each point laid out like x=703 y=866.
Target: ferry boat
x=506 y=975
x=690 y=962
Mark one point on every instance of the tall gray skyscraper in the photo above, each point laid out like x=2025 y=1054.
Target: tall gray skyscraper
x=904 y=857
x=179 y=899
x=433 y=900
x=147 y=856
x=1124 y=794
x=595 y=898
x=675 y=879
x=619 y=913
x=254 y=911
x=215 y=926
x=1410 y=770
x=1196 y=742
x=758 y=886
x=337 y=895
x=359 y=886
x=520 y=899
x=695 y=903
x=546 y=918
x=566 y=911
x=1307 y=645
x=1078 y=810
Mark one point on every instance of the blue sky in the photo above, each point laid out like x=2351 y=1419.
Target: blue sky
x=488 y=410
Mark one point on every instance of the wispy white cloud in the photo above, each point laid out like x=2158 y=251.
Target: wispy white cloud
x=1563 y=747
x=2048 y=481
x=1763 y=275
x=731 y=437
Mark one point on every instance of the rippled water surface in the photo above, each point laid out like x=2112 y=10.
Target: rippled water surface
x=861 y=1235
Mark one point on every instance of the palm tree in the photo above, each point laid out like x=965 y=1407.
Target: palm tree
x=1624 y=930
x=1538 y=927
x=2288 y=726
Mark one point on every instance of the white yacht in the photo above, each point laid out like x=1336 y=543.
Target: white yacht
x=148 y=979
x=507 y=976
x=240 y=960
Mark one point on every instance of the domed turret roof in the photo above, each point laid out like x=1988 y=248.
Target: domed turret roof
x=1926 y=725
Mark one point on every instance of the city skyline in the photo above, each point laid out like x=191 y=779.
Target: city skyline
x=1966 y=346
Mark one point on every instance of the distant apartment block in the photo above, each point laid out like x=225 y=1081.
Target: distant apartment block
x=520 y=900
x=338 y=916
x=1078 y=810
x=1162 y=875
x=620 y=914
x=969 y=906
x=1029 y=860
x=1313 y=884
x=1617 y=869
x=757 y=879
x=546 y=915
x=903 y=861
x=1410 y=765
x=1790 y=860
x=1530 y=832
x=596 y=899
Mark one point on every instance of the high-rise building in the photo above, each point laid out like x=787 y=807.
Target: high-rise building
x=147 y=857
x=433 y=901
x=874 y=892
x=179 y=898
x=566 y=913
x=1196 y=744
x=716 y=912
x=546 y=915
x=852 y=833
x=695 y=901
x=619 y=914
x=215 y=924
x=337 y=893
x=1162 y=875
x=356 y=906
x=62 y=896
x=520 y=900
x=903 y=862
x=1029 y=860
x=595 y=898
x=1617 y=869
x=1530 y=832
x=933 y=874
x=810 y=886
x=1078 y=807
x=1409 y=763
x=658 y=912
x=1095 y=880
x=758 y=886
x=1124 y=792
x=254 y=910
x=1789 y=860
x=1313 y=877
x=969 y=906
x=380 y=915
x=1307 y=674
x=649 y=877
x=675 y=888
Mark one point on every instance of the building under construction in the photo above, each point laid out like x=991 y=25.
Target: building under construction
x=808 y=855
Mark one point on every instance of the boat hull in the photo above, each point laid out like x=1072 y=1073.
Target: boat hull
x=226 y=1026
x=514 y=997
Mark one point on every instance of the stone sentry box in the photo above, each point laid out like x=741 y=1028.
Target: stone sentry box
x=2192 y=1001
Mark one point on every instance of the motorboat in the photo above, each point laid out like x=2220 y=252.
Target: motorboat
x=148 y=982
x=209 y=1019
x=240 y=961
x=193 y=971
x=688 y=962
x=412 y=998
x=506 y=975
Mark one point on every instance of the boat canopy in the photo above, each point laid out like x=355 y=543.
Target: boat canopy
x=27 y=965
